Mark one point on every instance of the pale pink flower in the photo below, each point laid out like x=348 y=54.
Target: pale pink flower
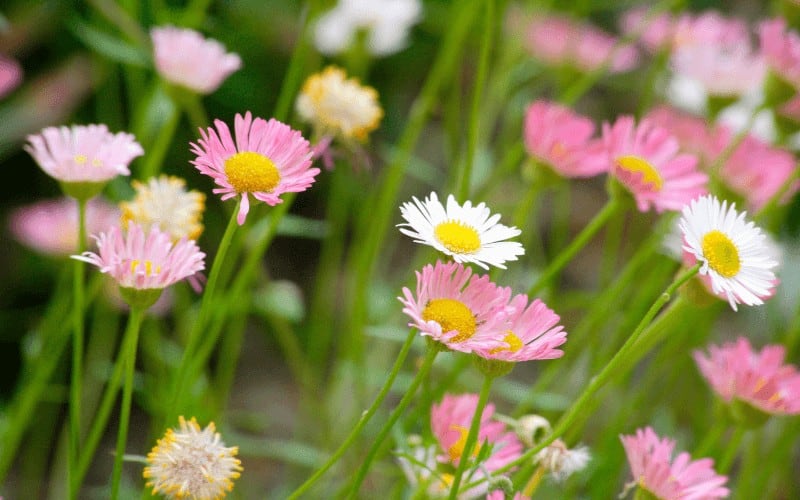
x=463 y=311
x=532 y=332
x=51 y=226
x=499 y=495
x=144 y=261
x=450 y=423
x=265 y=159
x=781 y=49
x=737 y=372
x=185 y=58
x=655 y=33
x=654 y=470
x=83 y=153
x=10 y=75
x=709 y=27
x=561 y=138
x=647 y=161
x=695 y=135
x=722 y=70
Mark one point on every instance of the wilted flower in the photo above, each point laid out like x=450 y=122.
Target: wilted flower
x=560 y=461
x=164 y=202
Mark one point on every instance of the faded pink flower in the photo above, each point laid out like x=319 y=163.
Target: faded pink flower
x=709 y=28
x=185 y=58
x=760 y=379
x=647 y=161
x=695 y=135
x=654 y=470
x=463 y=311
x=266 y=159
x=722 y=70
x=561 y=138
x=655 y=33
x=781 y=49
x=10 y=75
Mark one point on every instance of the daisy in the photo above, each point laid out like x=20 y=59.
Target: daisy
x=466 y=233
x=465 y=312
x=185 y=58
x=164 y=202
x=732 y=252
x=665 y=479
x=646 y=160
x=267 y=159
x=759 y=379
x=191 y=462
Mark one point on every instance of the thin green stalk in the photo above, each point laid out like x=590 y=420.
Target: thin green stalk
x=472 y=437
x=711 y=437
x=611 y=246
x=77 y=351
x=128 y=359
x=611 y=208
x=294 y=74
x=427 y=363
x=731 y=450
x=195 y=110
x=152 y=161
x=365 y=417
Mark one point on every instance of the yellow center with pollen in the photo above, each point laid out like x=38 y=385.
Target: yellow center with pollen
x=148 y=267
x=457 y=237
x=514 y=343
x=457 y=449
x=249 y=172
x=634 y=164
x=452 y=315
x=721 y=253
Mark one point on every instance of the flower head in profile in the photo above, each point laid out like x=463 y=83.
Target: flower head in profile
x=562 y=139
x=164 y=202
x=463 y=311
x=465 y=232
x=560 y=461
x=339 y=106
x=654 y=471
x=647 y=161
x=732 y=252
x=190 y=462
x=10 y=75
x=761 y=380
x=183 y=57
x=265 y=159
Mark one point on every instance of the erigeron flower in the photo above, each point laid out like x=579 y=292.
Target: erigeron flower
x=781 y=49
x=339 y=106
x=265 y=159
x=191 y=462
x=732 y=252
x=560 y=461
x=184 y=57
x=654 y=471
x=10 y=75
x=164 y=202
x=465 y=232
x=654 y=31
x=647 y=161
x=463 y=311
x=694 y=134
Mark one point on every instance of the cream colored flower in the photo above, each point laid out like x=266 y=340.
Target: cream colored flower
x=164 y=202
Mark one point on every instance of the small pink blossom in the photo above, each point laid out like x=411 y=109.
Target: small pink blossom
x=709 y=28
x=737 y=372
x=781 y=49
x=499 y=495
x=654 y=33
x=654 y=470
x=695 y=135
x=10 y=75
x=722 y=70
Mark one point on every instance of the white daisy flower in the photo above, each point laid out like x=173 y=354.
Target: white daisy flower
x=164 y=202
x=733 y=252
x=467 y=233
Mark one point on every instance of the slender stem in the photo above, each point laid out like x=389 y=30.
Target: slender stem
x=731 y=450
x=152 y=161
x=365 y=417
x=611 y=208
x=472 y=437
x=129 y=360
x=195 y=110
x=387 y=426
x=77 y=352
x=294 y=74
x=710 y=439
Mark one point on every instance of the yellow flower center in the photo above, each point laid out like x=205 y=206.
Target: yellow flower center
x=457 y=237
x=80 y=159
x=634 y=164
x=514 y=343
x=457 y=449
x=148 y=267
x=558 y=151
x=722 y=254
x=249 y=172
x=452 y=315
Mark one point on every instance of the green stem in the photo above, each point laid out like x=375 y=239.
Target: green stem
x=77 y=352
x=710 y=439
x=427 y=363
x=129 y=360
x=294 y=74
x=472 y=437
x=195 y=110
x=365 y=417
x=152 y=161
x=731 y=450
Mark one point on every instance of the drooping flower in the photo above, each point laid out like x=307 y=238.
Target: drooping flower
x=465 y=312
x=560 y=461
x=266 y=159
x=653 y=469
x=10 y=75
x=465 y=232
x=184 y=57
x=386 y=23
x=647 y=161
x=164 y=202
x=562 y=139
x=339 y=106
x=191 y=462
x=761 y=380
x=732 y=252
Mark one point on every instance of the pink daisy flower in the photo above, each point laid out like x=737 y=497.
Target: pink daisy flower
x=781 y=49
x=646 y=160
x=681 y=479
x=695 y=135
x=562 y=139
x=463 y=311
x=185 y=58
x=759 y=379
x=83 y=153
x=655 y=33
x=10 y=75
x=723 y=70
x=144 y=261
x=267 y=159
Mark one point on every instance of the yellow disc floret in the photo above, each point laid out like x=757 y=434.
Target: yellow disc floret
x=458 y=237
x=457 y=449
x=721 y=253
x=250 y=172
x=514 y=343
x=452 y=315
x=635 y=164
